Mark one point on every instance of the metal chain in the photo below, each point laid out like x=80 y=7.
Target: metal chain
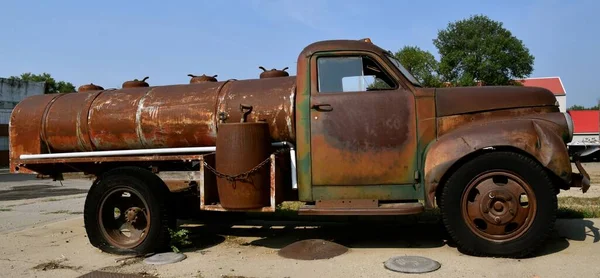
x=243 y=175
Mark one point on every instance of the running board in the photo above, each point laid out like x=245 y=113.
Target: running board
x=360 y=207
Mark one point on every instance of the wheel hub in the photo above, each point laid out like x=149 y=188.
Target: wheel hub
x=129 y=227
x=498 y=207
x=131 y=215
x=492 y=206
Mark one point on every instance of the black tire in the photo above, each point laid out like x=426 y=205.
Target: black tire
x=541 y=214
x=146 y=187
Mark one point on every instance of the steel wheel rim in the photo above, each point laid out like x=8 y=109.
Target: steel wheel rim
x=133 y=216
x=494 y=208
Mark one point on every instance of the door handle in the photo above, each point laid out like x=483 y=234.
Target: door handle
x=322 y=107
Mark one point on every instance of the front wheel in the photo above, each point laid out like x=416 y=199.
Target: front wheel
x=127 y=211
x=499 y=204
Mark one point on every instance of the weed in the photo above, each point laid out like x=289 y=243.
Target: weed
x=5 y=209
x=54 y=264
x=179 y=239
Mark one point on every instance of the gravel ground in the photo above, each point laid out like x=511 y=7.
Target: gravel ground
x=42 y=235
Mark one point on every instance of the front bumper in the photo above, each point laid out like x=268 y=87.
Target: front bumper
x=581 y=179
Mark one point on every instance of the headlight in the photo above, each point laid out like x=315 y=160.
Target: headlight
x=569 y=125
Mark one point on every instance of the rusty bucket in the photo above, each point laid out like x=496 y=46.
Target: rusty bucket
x=241 y=147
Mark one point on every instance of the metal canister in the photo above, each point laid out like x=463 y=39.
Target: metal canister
x=273 y=73
x=202 y=78
x=136 y=83
x=241 y=147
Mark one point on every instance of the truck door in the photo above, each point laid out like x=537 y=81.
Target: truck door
x=363 y=126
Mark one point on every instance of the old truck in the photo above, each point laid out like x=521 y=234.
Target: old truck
x=352 y=133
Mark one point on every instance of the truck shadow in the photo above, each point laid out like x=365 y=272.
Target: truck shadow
x=37 y=191
x=402 y=232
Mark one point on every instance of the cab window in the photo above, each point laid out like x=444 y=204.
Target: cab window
x=351 y=74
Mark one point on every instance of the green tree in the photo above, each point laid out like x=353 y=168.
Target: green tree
x=52 y=86
x=481 y=49
x=421 y=64
x=581 y=107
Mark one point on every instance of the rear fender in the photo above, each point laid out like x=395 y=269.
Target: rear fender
x=539 y=138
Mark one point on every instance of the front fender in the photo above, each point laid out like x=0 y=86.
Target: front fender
x=539 y=138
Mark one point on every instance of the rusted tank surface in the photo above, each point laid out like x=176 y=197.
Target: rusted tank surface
x=150 y=117
x=89 y=87
x=241 y=149
x=202 y=78
x=273 y=73
x=136 y=83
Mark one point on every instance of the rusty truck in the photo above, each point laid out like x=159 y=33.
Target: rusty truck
x=351 y=133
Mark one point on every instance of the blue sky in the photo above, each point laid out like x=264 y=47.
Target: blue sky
x=108 y=42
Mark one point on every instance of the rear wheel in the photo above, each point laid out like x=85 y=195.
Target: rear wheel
x=128 y=211
x=499 y=204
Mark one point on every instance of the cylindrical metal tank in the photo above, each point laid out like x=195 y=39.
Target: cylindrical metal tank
x=156 y=117
x=240 y=148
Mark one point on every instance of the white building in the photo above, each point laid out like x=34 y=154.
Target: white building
x=11 y=93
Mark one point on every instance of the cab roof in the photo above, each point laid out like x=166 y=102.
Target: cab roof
x=330 y=45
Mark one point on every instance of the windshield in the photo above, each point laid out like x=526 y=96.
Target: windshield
x=404 y=71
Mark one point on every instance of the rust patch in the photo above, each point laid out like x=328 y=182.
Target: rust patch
x=272 y=100
x=461 y=100
x=24 y=128
x=521 y=133
x=450 y=123
x=367 y=139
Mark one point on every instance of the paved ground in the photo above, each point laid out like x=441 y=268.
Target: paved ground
x=26 y=201
x=42 y=235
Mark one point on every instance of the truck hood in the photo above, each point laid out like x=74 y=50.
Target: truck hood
x=462 y=100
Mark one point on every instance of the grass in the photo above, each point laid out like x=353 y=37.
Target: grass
x=578 y=207
x=5 y=209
